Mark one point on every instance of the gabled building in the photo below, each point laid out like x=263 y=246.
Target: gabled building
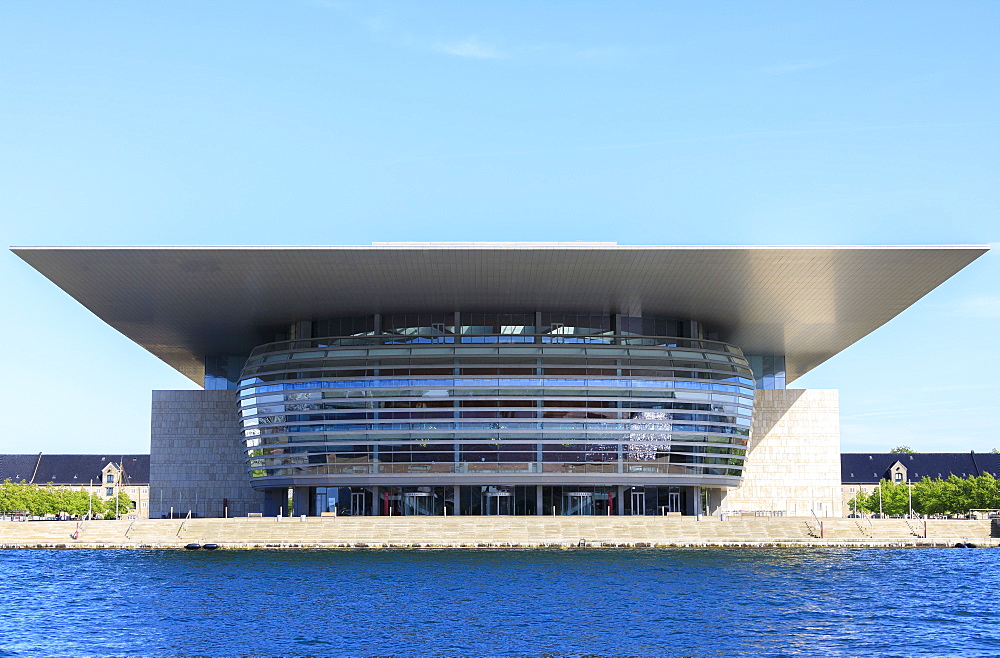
x=102 y=475
x=862 y=472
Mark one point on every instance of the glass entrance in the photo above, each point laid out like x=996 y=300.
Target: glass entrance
x=357 y=504
x=674 y=500
x=604 y=503
x=497 y=503
x=418 y=503
x=578 y=503
x=638 y=502
x=324 y=500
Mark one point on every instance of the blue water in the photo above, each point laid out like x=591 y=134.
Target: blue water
x=680 y=602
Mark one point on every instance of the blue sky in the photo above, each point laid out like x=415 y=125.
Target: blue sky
x=645 y=123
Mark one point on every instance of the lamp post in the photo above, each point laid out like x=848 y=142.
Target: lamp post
x=909 y=491
x=90 y=500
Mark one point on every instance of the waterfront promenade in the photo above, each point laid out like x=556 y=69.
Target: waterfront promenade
x=495 y=532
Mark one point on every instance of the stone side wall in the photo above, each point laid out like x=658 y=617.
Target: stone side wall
x=195 y=457
x=793 y=465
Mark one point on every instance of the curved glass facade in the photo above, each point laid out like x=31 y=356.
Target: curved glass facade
x=495 y=400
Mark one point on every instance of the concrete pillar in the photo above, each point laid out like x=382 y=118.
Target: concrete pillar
x=275 y=502
x=376 y=501
x=688 y=497
x=539 y=507
x=457 y=493
x=714 y=501
x=620 y=495
x=697 y=501
x=300 y=501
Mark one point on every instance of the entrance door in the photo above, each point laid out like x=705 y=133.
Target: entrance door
x=357 y=504
x=578 y=503
x=638 y=502
x=418 y=503
x=497 y=503
x=674 y=501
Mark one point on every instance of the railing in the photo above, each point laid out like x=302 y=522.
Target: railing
x=181 y=526
x=758 y=512
x=79 y=529
x=487 y=339
x=506 y=467
x=819 y=524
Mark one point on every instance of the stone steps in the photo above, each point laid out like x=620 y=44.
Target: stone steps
x=466 y=531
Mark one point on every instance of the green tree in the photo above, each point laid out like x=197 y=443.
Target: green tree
x=903 y=450
x=40 y=500
x=956 y=495
x=117 y=506
x=928 y=496
x=75 y=502
x=13 y=496
x=860 y=502
x=983 y=492
x=893 y=498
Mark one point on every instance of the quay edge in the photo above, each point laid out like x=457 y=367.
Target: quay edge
x=495 y=533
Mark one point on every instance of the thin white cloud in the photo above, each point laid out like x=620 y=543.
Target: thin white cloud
x=471 y=47
x=802 y=65
x=602 y=52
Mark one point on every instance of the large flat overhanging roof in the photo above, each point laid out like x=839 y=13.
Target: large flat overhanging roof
x=808 y=303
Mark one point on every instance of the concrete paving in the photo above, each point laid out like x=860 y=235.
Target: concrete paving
x=493 y=532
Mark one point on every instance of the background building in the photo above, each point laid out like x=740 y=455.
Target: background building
x=102 y=475
x=862 y=472
x=496 y=378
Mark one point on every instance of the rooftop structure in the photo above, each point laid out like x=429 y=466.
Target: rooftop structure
x=806 y=303
x=496 y=378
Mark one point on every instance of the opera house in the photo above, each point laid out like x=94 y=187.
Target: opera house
x=496 y=378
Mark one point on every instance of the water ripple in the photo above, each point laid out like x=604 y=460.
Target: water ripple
x=679 y=602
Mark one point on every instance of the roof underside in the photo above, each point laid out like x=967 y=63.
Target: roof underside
x=808 y=303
